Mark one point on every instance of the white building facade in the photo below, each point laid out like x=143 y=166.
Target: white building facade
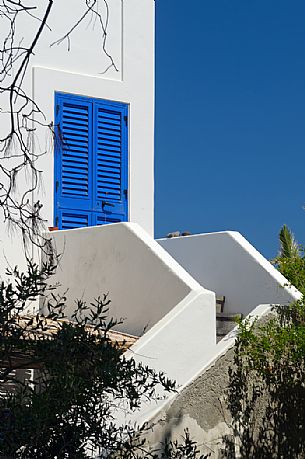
x=96 y=88
x=96 y=93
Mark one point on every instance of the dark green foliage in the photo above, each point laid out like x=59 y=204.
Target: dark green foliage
x=83 y=377
x=267 y=388
x=136 y=448
x=291 y=259
x=294 y=269
x=288 y=246
x=187 y=450
x=266 y=395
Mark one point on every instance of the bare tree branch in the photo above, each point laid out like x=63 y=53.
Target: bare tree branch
x=22 y=114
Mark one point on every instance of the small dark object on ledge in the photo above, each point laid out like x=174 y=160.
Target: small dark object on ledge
x=178 y=234
x=186 y=233
x=174 y=234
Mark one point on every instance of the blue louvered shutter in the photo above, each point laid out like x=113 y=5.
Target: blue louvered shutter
x=73 y=162
x=70 y=219
x=110 y=164
x=91 y=161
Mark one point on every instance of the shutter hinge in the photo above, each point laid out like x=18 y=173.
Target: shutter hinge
x=125 y=193
x=56 y=221
x=126 y=119
x=57 y=185
x=57 y=109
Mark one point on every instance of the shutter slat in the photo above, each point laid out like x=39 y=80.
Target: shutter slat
x=76 y=137
x=71 y=129
x=78 y=116
x=111 y=114
x=73 y=153
x=76 y=170
x=79 y=124
x=109 y=143
x=111 y=149
x=71 y=220
x=74 y=106
x=110 y=119
x=81 y=186
x=110 y=177
x=107 y=188
x=107 y=194
x=110 y=170
x=76 y=141
x=72 y=134
x=82 y=160
x=76 y=110
x=112 y=126
x=109 y=156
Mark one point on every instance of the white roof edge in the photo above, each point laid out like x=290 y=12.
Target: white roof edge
x=197 y=235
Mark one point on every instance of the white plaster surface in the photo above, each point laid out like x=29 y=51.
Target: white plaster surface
x=130 y=41
x=83 y=52
x=177 y=345
x=144 y=282
x=229 y=265
x=183 y=335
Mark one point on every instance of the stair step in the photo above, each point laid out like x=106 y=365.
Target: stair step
x=220 y=303
x=225 y=322
x=232 y=316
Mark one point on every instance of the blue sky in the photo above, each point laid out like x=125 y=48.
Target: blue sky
x=230 y=118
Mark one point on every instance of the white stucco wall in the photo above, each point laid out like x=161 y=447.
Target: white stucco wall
x=130 y=41
x=229 y=265
x=178 y=345
x=144 y=282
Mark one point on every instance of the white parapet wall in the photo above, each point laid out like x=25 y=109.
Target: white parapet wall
x=144 y=282
x=179 y=345
x=229 y=265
